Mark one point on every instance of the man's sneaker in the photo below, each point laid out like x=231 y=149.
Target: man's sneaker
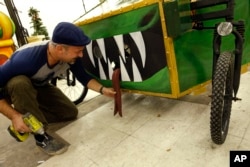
x=50 y=145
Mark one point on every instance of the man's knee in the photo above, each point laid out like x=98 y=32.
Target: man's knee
x=73 y=113
x=69 y=113
x=19 y=83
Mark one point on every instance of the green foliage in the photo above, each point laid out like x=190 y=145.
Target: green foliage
x=37 y=23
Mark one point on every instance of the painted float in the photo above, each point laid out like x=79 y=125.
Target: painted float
x=158 y=51
x=7 y=30
x=171 y=48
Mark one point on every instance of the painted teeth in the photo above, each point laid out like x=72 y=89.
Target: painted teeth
x=138 y=39
x=90 y=53
x=101 y=45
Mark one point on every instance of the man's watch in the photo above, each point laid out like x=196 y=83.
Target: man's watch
x=101 y=89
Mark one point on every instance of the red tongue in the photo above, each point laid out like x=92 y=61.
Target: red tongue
x=116 y=86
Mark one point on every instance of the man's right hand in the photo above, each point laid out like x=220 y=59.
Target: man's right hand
x=15 y=117
x=18 y=123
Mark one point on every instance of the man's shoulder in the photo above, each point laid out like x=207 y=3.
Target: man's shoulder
x=32 y=54
x=35 y=50
x=33 y=45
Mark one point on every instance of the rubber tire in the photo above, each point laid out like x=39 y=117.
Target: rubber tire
x=222 y=93
x=69 y=89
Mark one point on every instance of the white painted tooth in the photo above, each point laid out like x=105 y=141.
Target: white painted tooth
x=138 y=38
x=120 y=44
x=101 y=71
x=90 y=53
x=136 y=72
x=124 y=73
x=110 y=69
x=101 y=45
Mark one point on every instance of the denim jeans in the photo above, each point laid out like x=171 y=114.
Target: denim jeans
x=47 y=103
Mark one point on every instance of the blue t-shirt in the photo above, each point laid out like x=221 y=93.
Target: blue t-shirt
x=31 y=60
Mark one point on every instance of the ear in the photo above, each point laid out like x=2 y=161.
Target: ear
x=59 y=48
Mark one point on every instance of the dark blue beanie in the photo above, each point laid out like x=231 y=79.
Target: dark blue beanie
x=69 y=34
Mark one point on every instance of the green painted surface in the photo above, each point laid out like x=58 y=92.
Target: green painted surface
x=193 y=49
x=194 y=58
x=157 y=82
x=174 y=12
x=131 y=21
x=154 y=83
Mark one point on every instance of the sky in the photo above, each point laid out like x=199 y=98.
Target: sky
x=54 y=11
x=51 y=11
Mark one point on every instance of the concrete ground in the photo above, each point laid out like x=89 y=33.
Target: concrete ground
x=154 y=132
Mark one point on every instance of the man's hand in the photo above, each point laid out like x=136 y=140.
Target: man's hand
x=96 y=86
x=18 y=124
x=108 y=92
x=15 y=117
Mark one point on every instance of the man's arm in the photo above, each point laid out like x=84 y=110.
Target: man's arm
x=96 y=86
x=83 y=77
x=15 y=117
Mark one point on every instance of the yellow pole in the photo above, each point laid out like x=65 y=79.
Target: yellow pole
x=170 y=54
